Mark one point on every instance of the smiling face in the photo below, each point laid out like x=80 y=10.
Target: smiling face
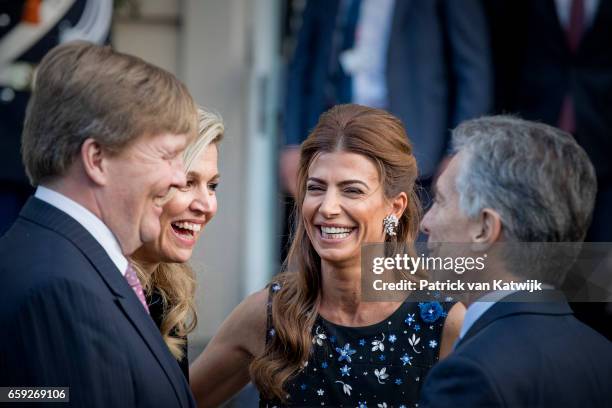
x=343 y=206
x=187 y=212
x=140 y=176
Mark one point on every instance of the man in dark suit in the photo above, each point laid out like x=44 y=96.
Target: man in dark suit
x=102 y=149
x=433 y=70
x=512 y=181
x=558 y=69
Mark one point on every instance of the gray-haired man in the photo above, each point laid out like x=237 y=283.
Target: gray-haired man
x=512 y=181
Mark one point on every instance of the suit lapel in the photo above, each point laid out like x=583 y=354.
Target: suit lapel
x=149 y=332
x=47 y=215
x=550 y=303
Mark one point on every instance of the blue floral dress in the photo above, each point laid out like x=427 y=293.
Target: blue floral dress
x=379 y=366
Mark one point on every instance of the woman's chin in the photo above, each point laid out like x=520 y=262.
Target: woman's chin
x=339 y=256
x=180 y=255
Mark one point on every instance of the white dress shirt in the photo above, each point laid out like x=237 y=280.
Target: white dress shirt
x=367 y=60
x=89 y=221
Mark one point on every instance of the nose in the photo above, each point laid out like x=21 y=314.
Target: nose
x=179 y=179
x=204 y=202
x=330 y=206
x=424 y=226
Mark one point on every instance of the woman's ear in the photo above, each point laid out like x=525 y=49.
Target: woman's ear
x=94 y=163
x=399 y=204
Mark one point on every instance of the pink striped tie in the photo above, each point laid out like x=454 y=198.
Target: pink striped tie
x=134 y=282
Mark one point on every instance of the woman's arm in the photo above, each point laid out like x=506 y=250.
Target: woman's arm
x=452 y=328
x=223 y=368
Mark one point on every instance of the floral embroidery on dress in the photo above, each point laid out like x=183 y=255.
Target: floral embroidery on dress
x=318 y=337
x=381 y=375
x=345 y=353
x=431 y=311
x=414 y=341
x=410 y=319
x=375 y=366
x=378 y=345
x=345 y=387
x=406 y=359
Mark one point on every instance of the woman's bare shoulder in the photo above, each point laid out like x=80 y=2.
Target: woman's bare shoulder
x=246 y=325
x=452 y=328
x=254 y=309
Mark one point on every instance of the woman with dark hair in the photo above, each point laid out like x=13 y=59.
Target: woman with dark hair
x=309 y=339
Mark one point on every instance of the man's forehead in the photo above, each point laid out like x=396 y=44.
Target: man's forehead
x=446 y=183
x=173 y=140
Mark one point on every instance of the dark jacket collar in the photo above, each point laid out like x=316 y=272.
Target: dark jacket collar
x=48 y=216
x=548 y=302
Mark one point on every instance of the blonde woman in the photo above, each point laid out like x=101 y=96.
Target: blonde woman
x=167 y=279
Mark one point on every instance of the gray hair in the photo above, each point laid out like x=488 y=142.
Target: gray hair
x=539 y=180
x=537 y=177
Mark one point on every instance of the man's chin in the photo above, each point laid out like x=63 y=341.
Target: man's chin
x=150 y=233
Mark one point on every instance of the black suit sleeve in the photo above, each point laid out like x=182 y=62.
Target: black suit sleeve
x=459 y=382
x=63 y=336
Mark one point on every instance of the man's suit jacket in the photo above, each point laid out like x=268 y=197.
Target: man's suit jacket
x=536 y=70
x=69 y=318
x=438 y=71
x=524 y=355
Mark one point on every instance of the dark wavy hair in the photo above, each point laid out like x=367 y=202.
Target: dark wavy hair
x=379 y=136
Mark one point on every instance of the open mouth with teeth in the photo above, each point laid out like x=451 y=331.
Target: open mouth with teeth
x=186 y=230
x=335 y=232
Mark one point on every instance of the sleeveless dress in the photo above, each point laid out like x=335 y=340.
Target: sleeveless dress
x=156 y=310
x=380 y=366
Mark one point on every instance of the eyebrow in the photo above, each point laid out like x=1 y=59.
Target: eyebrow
x=342 y=183
x=192 y=173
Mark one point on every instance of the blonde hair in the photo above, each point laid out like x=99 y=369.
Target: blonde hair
x=176 y=282
x=85 y=91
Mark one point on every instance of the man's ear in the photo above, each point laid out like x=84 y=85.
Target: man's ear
x=399 y=204
x=94 y=161
x=487 y=229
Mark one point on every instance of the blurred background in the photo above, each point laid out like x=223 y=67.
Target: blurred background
x=270 y=67
x=229 y=55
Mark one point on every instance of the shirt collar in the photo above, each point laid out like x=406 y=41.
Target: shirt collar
x=473 y=313
x=89 y=221
x=484 y=303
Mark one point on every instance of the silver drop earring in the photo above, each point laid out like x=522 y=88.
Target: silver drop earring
x=390 y=223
